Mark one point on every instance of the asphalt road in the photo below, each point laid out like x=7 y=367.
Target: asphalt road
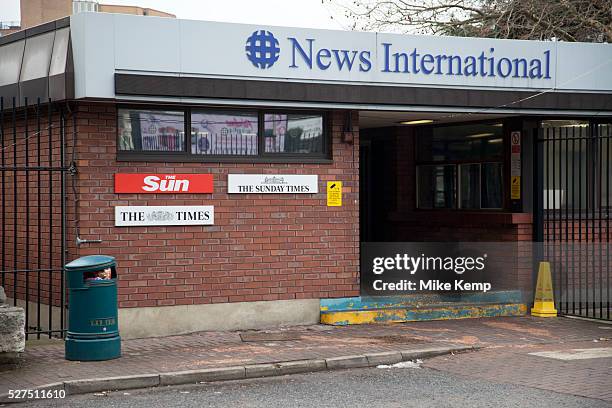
x=372 y=387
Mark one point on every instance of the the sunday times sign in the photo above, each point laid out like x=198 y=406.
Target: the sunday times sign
x=137 y=216
x=272 y=183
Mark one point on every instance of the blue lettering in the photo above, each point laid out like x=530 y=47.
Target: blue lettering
x=484 y=64
x=386 y=47
x=452 y=58
x=470 y=66
x=427 y=59
x=439 y=59
x=345 y=59
x=535 y=68
x=401 y=59
x=306 y=57
x=481 y=60
x=364 y=61
x=508 y=64
x=414 y=54
x=492 y=63
x=518 y=64
x=323 y=53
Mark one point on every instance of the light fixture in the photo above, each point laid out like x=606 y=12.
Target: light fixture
x=479 y=135
x=495 y=140
x=416 y=122
x=576 y=125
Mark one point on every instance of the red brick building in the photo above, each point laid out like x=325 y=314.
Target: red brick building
x=425 y=150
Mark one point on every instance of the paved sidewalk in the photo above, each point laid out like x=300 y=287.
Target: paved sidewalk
x=44 y=363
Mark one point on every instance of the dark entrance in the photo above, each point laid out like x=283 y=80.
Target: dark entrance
x=377 y=184
x=573 y=191
x=33 y=211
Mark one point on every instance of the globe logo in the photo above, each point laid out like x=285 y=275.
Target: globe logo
x=262 y=49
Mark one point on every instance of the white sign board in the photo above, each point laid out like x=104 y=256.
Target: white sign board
x=105 y=43
x=272 y=183
x=136 y=216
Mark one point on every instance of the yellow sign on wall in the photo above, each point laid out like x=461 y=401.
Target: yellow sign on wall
x=334 y=194
x=515 y=188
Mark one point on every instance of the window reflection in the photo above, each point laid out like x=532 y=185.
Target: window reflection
x=293 y=133
x=151 y=131
x=224 y=133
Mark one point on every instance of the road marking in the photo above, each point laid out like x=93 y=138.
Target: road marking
x=576 y=354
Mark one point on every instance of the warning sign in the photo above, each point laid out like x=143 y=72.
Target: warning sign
x=334 y=194
x=515 y=188
x=515 y=165
x=515 y=139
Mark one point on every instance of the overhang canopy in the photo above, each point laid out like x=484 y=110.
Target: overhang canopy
x=36 y=64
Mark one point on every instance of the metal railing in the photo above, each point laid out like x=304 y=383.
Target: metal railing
x=575 y=171
x=33 y=212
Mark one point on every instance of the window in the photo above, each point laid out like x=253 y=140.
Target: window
x=151 y=131
x=79 y=6
x=460 y=167
x=221 y=135
x=460 y=143
x=224 y=133
x=294 y=133
x=481 y=185
x=436 y=185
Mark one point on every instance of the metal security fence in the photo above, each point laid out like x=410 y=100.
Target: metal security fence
x=573 y=171
x=225 y=143
x=247 y=144
x=33 y=212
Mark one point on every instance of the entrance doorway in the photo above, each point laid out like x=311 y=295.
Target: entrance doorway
x=431 y=176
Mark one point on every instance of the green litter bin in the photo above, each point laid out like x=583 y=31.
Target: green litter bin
x=93 y=332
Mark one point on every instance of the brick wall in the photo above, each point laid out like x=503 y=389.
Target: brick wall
x=262 y=247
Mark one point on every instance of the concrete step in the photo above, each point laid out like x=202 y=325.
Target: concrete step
x=421 y=312
x=420 y=299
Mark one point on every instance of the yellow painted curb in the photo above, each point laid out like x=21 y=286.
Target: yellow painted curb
x=382 y=316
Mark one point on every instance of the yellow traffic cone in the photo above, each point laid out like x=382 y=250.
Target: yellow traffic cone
x=544 y=304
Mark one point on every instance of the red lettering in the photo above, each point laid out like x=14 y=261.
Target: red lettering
x=163 y=183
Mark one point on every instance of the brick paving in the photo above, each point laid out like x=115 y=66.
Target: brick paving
x=515 y=364
x=590 y=378
x=508 y=338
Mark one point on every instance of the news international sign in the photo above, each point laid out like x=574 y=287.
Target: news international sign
x=263 y=50
x=136 y=183
x=225 y=50
x=394 y=59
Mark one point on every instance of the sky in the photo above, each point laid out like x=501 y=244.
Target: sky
x=293 y=13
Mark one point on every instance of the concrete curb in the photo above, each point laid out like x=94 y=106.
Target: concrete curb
x=91 y=385
x=204 y=375
x=336 y=363
x=111 y=383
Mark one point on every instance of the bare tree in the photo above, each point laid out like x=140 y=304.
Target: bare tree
x=567 y=20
